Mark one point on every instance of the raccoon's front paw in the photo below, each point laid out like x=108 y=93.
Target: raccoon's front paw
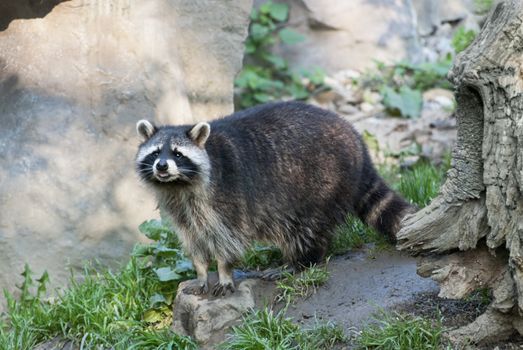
x=222 y=288
x=197 y=288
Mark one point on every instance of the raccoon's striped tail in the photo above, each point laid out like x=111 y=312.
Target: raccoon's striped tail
x=383 y=209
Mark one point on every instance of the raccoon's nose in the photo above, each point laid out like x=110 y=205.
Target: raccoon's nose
x=162 y=165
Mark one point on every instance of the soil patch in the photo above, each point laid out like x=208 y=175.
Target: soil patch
x=362 y=282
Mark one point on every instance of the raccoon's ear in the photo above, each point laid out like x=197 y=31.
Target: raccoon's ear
x=145 y=129
x=199 y=133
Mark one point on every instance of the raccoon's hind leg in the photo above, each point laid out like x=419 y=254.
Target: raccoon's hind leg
x=200 y=284
x=225 y=282
x=300 y=255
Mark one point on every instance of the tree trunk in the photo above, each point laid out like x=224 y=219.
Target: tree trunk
x=477 y=219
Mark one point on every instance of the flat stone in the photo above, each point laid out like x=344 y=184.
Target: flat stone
x=207 y=318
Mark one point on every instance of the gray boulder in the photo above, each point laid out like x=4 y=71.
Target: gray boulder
x=72 y=86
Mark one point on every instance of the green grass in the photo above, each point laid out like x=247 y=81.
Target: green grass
x=323 y=335
x=266 y=330
x=303 y=284
x=354 y=234
x=398 y=332
x=104 y=310
x=421 y=183
x=260 y=257
x=482 y=6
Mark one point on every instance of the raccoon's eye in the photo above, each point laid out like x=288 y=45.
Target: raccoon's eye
x=178 y=155
x=156 y=153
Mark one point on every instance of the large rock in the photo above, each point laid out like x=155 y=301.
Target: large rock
x=207 y=319
x=342 y=34
x=72 y=86
x=351 y=34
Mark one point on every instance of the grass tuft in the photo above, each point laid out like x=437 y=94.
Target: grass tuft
x=324 y=335
x=266 y=330
x=301 y=285
x=263 y=329
x=421 y=183
x=354 y=234
x=395 y=331
x=260 y=257
x=104 y=310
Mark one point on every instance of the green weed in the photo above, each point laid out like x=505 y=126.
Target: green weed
x=265 y=75
x=354 y=234
x=303 y=284
x=398 y=332
x=462 y=39
x=323 y=335
x=260 y=257
x=482 y=6
x=421 y=183
x=401 y=84
x=104 y=310
x=265 y=330
x=262 y=329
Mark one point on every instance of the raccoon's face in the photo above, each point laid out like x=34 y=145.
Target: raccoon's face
x=173 y=154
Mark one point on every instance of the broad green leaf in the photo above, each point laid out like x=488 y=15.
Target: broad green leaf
x=407 y=102
x=156 y=299
x=250 y=47
x=153 y=316
x=278 y=61
x=142 y=250
x=260 y=97
x=298 y=91
x=289 y=36
x=163 y=250
x=258 y=31
x=266 y=7
x=154 y=229
x=279 y=11
x=166 y=274
x=183 y=265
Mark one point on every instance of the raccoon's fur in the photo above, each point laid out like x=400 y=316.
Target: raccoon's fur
x=284 y=173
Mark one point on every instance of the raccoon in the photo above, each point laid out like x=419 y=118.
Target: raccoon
x=284 y=173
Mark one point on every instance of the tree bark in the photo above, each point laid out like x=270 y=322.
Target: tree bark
x=475 y=225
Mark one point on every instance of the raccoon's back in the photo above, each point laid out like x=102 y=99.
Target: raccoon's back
x=287 y=158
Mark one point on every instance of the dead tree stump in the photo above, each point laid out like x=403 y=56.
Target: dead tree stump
x=475 y=225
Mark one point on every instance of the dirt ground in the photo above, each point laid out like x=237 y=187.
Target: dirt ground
x=360 y=283
x=365 y=281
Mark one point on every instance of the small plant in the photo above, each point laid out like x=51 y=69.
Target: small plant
x=265 y=75
x=104 y=310
x=401 y=85
x=302 y=285
x=395 y=331
x=354 y=234
x=406 y=102
x=260 y=257
x=322 y=336
x=263 y=329
x=462 y=39
x=421 y=183
x=167 y=261
x=266 y=330
x=481 y=7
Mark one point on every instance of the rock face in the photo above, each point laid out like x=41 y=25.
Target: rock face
x=72 y=86
x=343 y=34
x=351 y=34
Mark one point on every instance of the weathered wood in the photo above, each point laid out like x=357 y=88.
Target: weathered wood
x=481 y=199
